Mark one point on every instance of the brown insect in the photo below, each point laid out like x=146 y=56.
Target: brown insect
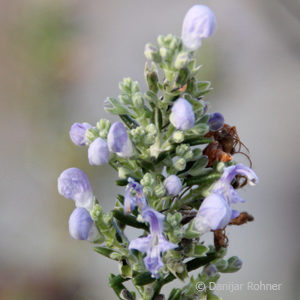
x=243 y=218
x=220 y=239
x=226 y=143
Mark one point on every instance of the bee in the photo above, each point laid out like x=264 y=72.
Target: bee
x=226 y=143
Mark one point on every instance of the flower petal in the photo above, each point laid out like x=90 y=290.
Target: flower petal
x=214 y=213
x=141 y=244
x=165 y=245
x=153 y=261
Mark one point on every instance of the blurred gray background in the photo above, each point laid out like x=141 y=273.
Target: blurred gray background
x=60 y=59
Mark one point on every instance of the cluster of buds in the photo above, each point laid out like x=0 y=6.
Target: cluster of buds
x=175 y=162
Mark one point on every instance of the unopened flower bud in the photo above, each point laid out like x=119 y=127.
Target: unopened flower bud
x=178 y=136
x=82 y=226
x=182 y=60
x=164 y=52
x=160 y=190
x=198 y=23
x=118 y=140
x=148 y=180
x=215 y=121
x=210 y=270
x=152 y=53
x=151 y=129
x=74 y=184
x=234 y=264
x=152 y=77
x=103 y=126
x=221 y=264
x=124 y=173
x=138 y=100
x=182 y=116
x=98 y=152
x=77 y=133
x=182 y=149
x=180 y=164
x=173 y=185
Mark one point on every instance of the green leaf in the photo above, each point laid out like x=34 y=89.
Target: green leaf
x=129 y=122
x=121 y=182
x=107 y=252
x=175 y=294
x=115 y=107
x=194 y=140
x=129 y=220
x=199 y=250
x=143 y=279
x=198 y=166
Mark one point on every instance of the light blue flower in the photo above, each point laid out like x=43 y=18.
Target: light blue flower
x=155 y=243
x=215 y=211
x=173 y=185
x=223 y=185
x=182 y=116
x=199 y=23
x=98 y=152
x=118 y=140
x=74 y=184
x=216 y=121
x=134 y=196
x=82 y=226
x=77 y=133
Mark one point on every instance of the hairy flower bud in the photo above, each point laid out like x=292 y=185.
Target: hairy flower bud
x=152 y=53
x=215 y=121
x=173 y=185
x=178 y=136
x=182 y=116
x=77 y=133
x=82 y=226
x=74 y=184
x=210 y=270
x=98 y=152
x=182 y=60
x=118 y=140
x=198 y=23
x=234 y=264
x=180 y=164
x=159 y=190
x=138 y=101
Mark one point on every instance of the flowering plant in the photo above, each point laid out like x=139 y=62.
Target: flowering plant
x=175 y=162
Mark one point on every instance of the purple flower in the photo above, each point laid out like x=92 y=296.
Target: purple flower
x=98 y=152
x=215 y=211
x=198 y=23
x=134 y=196
x=82 y=226
x=118 y=140
x=216 y=121
x=182 y=116
x=74 y=184
x=223 y=185
x=173 y=185
x=155 y=243
x=77 y=133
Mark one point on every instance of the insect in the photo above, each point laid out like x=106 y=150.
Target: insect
x=226 y=143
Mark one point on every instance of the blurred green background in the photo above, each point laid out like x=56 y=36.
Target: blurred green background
x=60 y=59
